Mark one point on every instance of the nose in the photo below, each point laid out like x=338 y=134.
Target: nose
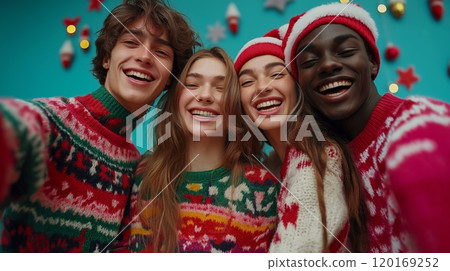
x=263 y=84
x=204 y=94
x=145 y=56
x=329 y=64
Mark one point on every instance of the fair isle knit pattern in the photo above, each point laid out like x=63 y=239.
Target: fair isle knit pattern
x=403 y=156
x=300 y=226
x=208 y=224
x=72 y=173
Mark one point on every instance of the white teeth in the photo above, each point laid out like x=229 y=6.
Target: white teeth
x=202 y=113
x=344 y=83
x=268 y=103
x=139 y=75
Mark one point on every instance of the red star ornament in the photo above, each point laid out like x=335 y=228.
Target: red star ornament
x=94 y=4
x=407 y=77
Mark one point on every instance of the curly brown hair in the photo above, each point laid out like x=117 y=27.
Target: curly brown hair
x=182 y=37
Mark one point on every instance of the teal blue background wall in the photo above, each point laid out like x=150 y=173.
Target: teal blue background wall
x=32 y=33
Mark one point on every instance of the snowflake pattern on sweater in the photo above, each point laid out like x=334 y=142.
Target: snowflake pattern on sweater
x=208 y=224
x=403 y=155
x=300 y=227
x=71 y=175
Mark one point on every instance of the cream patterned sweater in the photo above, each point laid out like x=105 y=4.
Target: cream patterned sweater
x=299 y=222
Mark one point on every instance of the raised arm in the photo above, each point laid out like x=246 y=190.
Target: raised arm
x=24 y=136
x=418 y=168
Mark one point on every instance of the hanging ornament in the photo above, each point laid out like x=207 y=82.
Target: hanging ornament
x=392 y=52
x=233 y=16
x=397 y=7
x=407 y=77
x=94 y=5
x=66 y=54
x=71 y=25
x=216 y=33
x=84 y=38
x=437 y=8
x=278 y=4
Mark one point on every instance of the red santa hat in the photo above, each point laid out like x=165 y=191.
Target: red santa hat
x=350 y=15
x=269 y=44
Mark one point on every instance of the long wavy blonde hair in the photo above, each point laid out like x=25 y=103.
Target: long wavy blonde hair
x=162 y=176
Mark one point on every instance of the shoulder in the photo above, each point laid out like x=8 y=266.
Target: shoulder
x=417 y=105
x=420 y=114
x=419 y=128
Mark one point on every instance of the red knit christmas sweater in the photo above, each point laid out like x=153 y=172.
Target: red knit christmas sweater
x=403 y=155
x=67 y=172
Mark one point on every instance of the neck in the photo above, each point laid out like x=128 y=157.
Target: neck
x=208 y=153
x=274 y=137
x=355 y=124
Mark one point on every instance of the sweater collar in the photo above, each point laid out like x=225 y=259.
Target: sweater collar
x=208 y=175
x=385 y=107
x=106 y=110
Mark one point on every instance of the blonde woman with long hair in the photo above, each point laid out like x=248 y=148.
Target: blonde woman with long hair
x=199 y=192
x=320 y=204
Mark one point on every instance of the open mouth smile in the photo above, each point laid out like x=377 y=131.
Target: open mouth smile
x=268 y=105
x=139 y=75
x=335 y=88
x=203 y=113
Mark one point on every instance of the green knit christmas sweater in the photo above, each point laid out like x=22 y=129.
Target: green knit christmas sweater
x=214 y=216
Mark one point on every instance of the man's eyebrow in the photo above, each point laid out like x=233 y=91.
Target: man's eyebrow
x=342 y=38
x=133 y=32
x=140 y=34
x=163 y=42
x=306 y=47
x=338 y=39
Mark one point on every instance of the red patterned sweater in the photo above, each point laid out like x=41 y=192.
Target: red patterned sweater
x=67 y=175
x=403 y=155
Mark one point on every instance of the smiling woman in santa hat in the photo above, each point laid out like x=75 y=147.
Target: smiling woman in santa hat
x=319 y=199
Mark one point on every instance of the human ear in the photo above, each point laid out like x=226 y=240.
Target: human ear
x=106 y=63
x=373 y=65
